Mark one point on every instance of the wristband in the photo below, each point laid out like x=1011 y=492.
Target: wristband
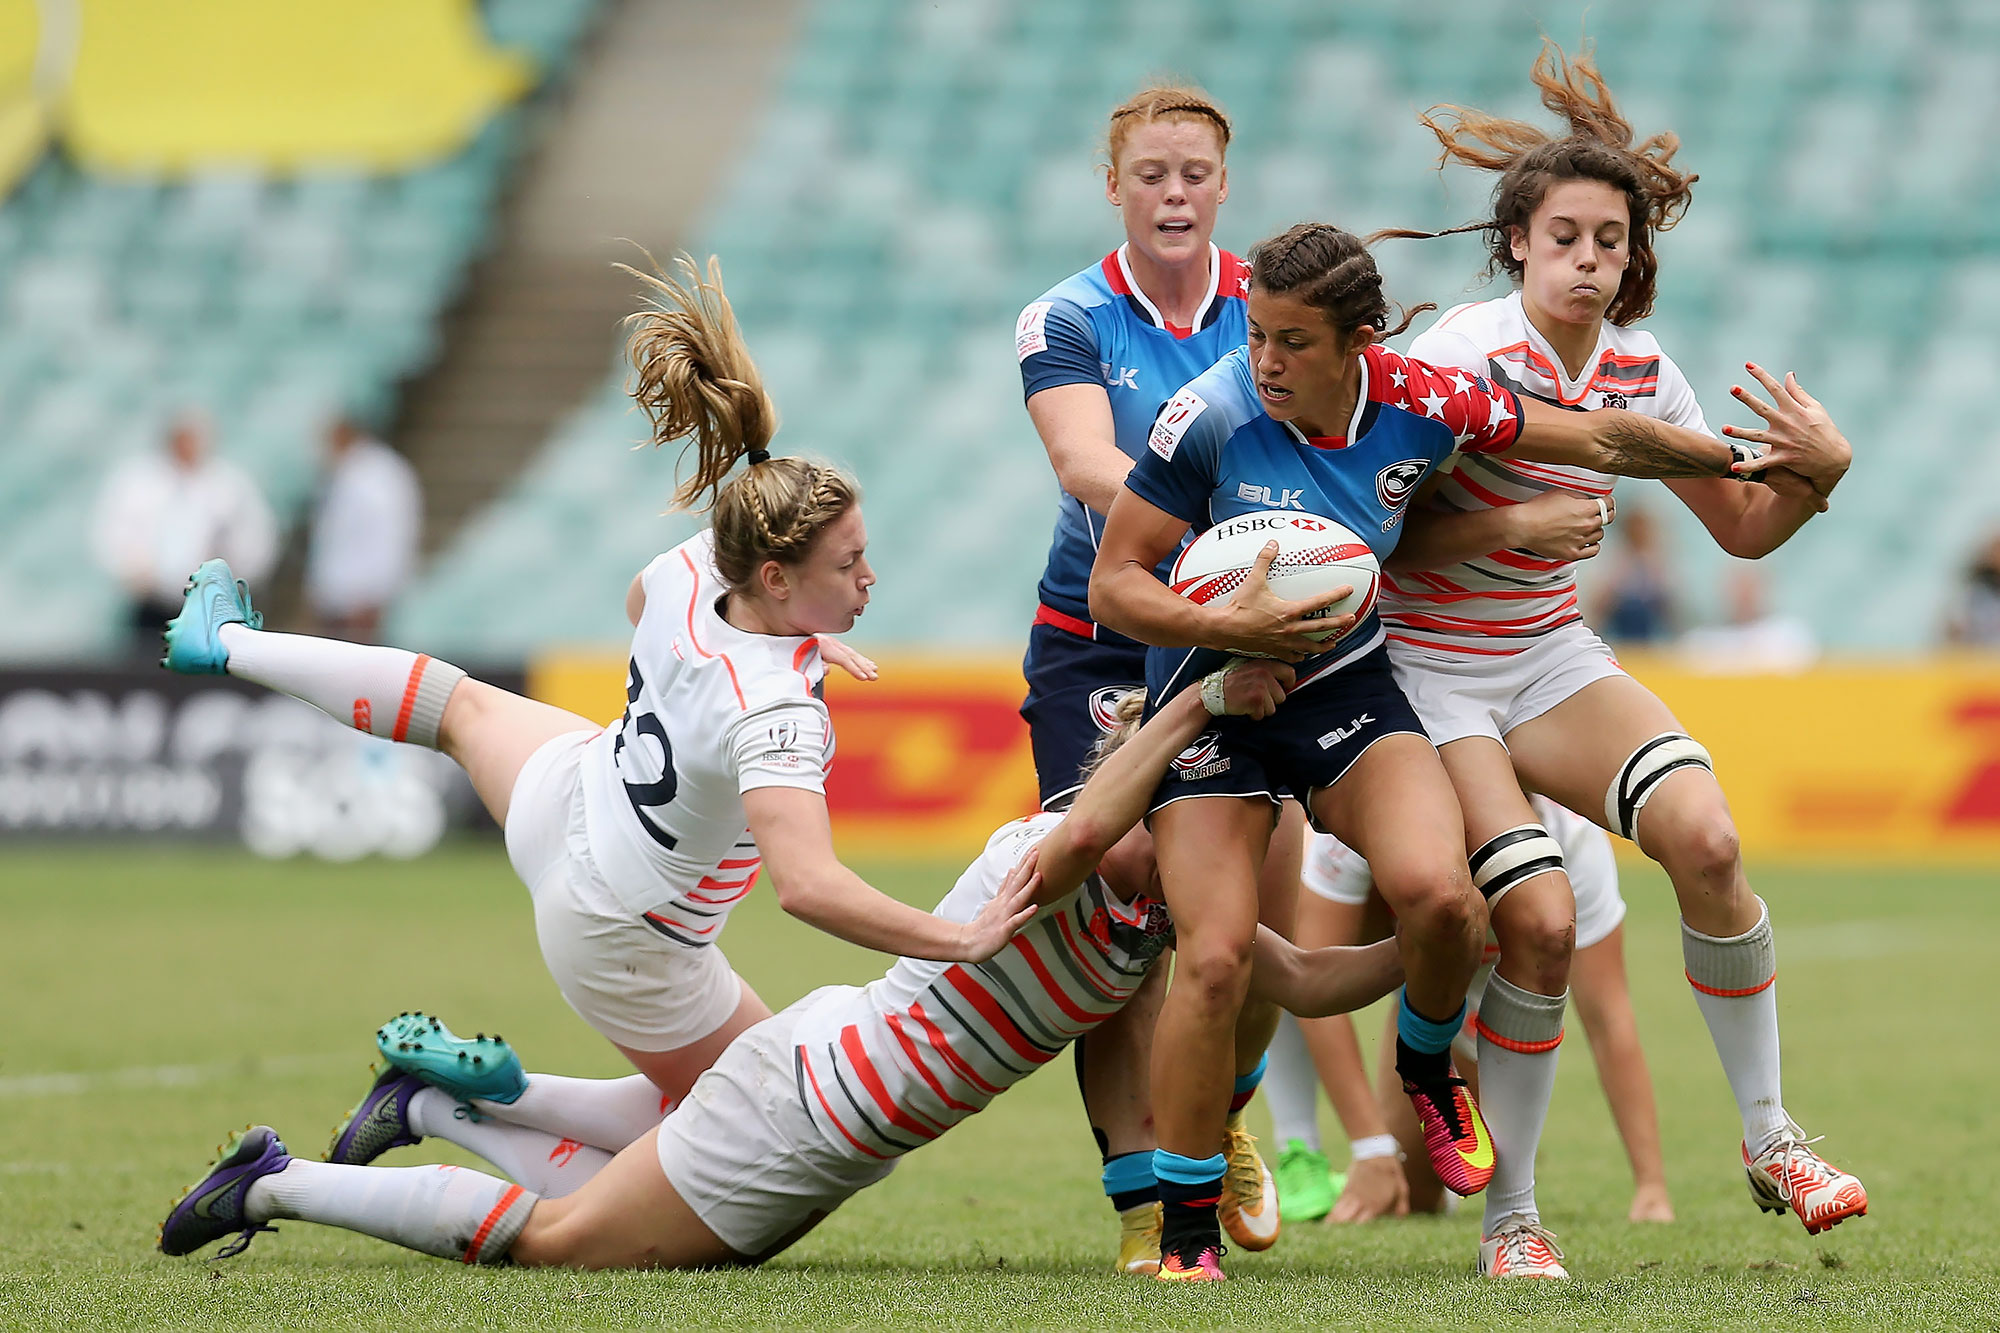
x=1212 y=697
x=1376 y=1145
x=1739 y=453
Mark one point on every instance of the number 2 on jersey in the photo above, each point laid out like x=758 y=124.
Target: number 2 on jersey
x=646 y=795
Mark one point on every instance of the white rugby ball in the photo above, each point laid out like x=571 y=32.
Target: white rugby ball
x=1315 y=556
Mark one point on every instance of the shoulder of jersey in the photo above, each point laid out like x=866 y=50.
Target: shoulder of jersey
x=1086 y=288
x=1222 y=398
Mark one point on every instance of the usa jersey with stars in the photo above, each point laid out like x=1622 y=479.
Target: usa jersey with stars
x=1214 y=454
x=1097 y=327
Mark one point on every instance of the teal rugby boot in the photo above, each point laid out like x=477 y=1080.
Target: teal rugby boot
x=215 y=597
x=481 y=1067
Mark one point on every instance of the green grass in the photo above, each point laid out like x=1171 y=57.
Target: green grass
x=190 y=993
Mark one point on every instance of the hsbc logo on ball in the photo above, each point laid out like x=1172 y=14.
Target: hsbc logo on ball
x=1394 y=483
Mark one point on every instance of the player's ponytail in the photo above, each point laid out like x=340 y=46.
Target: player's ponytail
x=1331 y=271
x=1598 y=147
x=694 y=380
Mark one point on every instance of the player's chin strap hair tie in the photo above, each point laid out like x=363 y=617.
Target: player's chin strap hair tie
x=1640 y=775
x=1513 y=857
x=756 y=456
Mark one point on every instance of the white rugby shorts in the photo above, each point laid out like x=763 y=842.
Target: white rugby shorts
x=744 y=1152
x=634 y=985
x=1460 y=695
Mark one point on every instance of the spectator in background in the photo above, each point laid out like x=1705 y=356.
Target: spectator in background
x=1754 y=637
x=1975 y=621
x=364 y=532
x=1636 y=600
x=161 y=514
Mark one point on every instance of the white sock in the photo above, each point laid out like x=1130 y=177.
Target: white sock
x=1291 y=1086
x=606 y=1113
x=1520 y=1035
x=1735 y=987
x=382 y=691
x=548 y=1164
x=442 y=1210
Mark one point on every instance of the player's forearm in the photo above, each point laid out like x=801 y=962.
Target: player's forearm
x=1126 y=596
x=1118 y=793
x=1313 y=983
x=1094 y=476
x=1625 y=444
x=841 y=903
x=1438 y=540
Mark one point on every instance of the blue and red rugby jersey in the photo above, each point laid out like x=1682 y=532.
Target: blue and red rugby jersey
x=1096 y=327
x=1214 y=455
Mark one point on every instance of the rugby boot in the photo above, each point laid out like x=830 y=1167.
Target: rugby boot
x=1788 y=1174
x=1139 y=1240
x=379 y=1121
x=215 y=597
x=1249 y=1204
x=1520 y=1247
x=1194 y=1260
x=1460 y=1149
x=1306 y=1191
x=463 y=1068
x=214 y=1207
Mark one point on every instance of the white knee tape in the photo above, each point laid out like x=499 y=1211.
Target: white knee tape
x=1641 y=774
x=1509 y=858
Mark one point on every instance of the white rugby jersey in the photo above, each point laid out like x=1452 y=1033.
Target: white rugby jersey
x=1494 y=605
x=712 y=711
x=890 y=1067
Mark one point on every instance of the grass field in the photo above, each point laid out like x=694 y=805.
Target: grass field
x=152 y=1000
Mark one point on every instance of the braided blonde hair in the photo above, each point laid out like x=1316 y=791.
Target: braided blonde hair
x=694 y=380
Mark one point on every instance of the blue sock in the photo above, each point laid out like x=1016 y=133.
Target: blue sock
x=1129 y=1180
x=1246 y=1084
x=1423 y=1044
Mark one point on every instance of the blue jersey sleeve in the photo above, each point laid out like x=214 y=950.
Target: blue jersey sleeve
x=1178 y=471
x=1056 y=345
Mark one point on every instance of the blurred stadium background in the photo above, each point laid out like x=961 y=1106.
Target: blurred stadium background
x=406 y=210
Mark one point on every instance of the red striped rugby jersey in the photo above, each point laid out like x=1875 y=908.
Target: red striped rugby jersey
x=1497 y=604
x=891 y=1066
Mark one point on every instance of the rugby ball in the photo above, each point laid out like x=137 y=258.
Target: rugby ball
x=1315 y=555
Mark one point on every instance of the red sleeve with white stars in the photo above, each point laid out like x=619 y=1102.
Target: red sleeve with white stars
x=1483 y=417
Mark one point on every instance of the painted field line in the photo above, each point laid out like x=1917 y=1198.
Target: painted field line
x=166 y=1076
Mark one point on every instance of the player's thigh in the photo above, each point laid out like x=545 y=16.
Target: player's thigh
x=1395 y=805
x=1573 y=753
x=674 y=1072
x=491 y=732
x=1278 y=884
x=628 y=1215
x=1211 y=851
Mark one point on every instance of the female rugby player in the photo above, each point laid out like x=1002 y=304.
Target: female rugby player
x=1099 y=353
x=809 y=1107
x=1314 y=408
x=637 y=839
x=1489 y=645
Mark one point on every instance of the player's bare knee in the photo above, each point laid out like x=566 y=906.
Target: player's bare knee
x=1439 y=905
x=1541 y=941
x=1217 y=967
x=1699 y=843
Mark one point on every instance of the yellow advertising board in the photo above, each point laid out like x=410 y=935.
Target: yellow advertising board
x=1848 y=763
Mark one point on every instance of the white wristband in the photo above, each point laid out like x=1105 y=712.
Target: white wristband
x=1212 y=697
x=1375 y=1145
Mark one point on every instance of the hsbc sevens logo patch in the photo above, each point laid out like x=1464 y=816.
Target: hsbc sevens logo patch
x=1394 y=483
x=1173 y=422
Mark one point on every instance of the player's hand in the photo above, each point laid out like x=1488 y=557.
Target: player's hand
x=839 y=654
x=1011 y=907
x=1255 y=689
x=1375 y=1188
x=1797 y=432
x=1562 y=525
x=1259 y=623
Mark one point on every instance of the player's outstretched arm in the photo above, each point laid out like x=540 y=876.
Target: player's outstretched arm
x=1117 y=794
x=795 y=835
x=1625 y=444
x=1313 y=983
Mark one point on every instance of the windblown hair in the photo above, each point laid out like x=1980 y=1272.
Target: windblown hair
x=1598 y=147
x=1181 y=104
x=1332 y=271
x=695 y=381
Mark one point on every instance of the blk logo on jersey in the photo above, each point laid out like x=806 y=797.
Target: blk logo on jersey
x=1346 y=733
x=1203 y=759
x=1120 y=377
x=1261 y=495
x=1394 y=483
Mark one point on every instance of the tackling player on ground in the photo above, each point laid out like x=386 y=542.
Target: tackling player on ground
x=1314 y=409
x=638 y=838
x=1489 y=645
